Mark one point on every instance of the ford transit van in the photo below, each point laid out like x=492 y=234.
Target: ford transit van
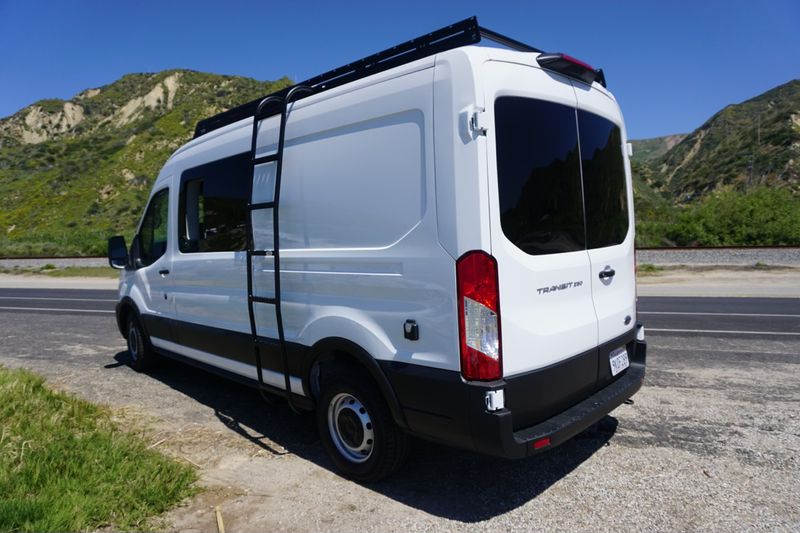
x=434 y=241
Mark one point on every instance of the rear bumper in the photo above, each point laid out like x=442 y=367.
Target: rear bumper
x=438 y=405
x=493 y=432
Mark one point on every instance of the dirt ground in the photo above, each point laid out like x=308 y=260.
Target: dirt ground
x=711 y=443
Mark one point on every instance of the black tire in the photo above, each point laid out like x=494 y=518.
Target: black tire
x=142 y=356
x=339 y=411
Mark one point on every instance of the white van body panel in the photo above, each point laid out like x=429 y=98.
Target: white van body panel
x=461 y=180
x=358 y=153
x=614 y=298
x=538 y=328
x=151 y=291
x=357 y=224
x=210 y=289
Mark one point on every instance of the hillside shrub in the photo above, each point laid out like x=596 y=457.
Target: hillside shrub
x=762 y=216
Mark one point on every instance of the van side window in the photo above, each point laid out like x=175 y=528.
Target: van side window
x=213 y=206
x=153 y=231
x=539 y=175
x=604 y=189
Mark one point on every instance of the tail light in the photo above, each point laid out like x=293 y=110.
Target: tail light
x=479 y=317
x=574 y=68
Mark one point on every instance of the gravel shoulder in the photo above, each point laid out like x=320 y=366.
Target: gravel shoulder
x=29 y=281
x=721 y=282
x=788 y=257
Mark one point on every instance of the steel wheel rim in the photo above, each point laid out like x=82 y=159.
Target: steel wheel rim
x=134 y=342
x=350 y=428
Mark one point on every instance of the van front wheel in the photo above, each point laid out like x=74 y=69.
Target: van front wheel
x=139 y=350
x=357 y=429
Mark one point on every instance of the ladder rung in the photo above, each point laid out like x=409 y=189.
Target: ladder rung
x=261 y=205
x=263 y=300
x=265 y=159
x=262 y=253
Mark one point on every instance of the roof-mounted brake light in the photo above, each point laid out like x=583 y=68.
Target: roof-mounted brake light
x=574 y=68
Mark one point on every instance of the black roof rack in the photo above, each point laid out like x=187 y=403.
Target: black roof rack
x=459 y=34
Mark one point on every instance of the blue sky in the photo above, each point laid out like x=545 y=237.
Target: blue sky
x=671 y=64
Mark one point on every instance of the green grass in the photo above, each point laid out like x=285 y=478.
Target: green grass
x=65 y=466
x=65 y=272
x=648 y=269
x=89 y=272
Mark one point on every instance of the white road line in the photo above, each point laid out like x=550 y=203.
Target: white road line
x=62 y=299
x=759 y=352
x=723 y=331
x=715 y=314
x=56 y=309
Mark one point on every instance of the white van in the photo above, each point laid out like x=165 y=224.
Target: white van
x=435 y=241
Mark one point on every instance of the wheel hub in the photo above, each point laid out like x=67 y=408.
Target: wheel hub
x=134 y=342
x=350 y=427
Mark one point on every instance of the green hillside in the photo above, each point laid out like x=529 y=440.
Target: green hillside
x=733 y=181
x=74 y=172
x=646 y=150
x=745 y=145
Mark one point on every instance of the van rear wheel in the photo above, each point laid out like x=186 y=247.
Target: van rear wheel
x=139 y=349
x=357 y=429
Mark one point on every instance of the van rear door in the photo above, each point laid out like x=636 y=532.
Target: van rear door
x=609 y=215
x=537 y=229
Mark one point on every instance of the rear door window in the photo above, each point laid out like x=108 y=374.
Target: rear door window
x=539 y=180
x=557 y=195
x=604 y=190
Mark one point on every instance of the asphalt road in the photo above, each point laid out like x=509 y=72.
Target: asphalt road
x=57 y=301
x=711 y=443
x=770 y=317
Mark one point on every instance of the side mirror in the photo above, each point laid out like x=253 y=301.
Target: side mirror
x=117 y=252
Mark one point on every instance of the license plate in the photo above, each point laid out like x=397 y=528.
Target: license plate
x=619 y=360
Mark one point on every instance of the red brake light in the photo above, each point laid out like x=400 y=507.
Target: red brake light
x=479 y=317
x=574 y=68
x=578 y=62
x=541 y=443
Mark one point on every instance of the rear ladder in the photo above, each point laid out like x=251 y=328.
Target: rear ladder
x=266 y=109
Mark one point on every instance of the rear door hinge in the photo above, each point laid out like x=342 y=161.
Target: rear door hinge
x=477 y=121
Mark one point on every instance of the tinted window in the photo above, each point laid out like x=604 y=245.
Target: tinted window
x=153 y=231
x=213 y=206
x=538 y=173
x=604 y=187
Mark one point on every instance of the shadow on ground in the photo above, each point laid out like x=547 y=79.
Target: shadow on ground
x=442 y=481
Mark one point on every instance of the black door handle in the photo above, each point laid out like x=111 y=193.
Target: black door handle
x=607 y=272
x=163 y=272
